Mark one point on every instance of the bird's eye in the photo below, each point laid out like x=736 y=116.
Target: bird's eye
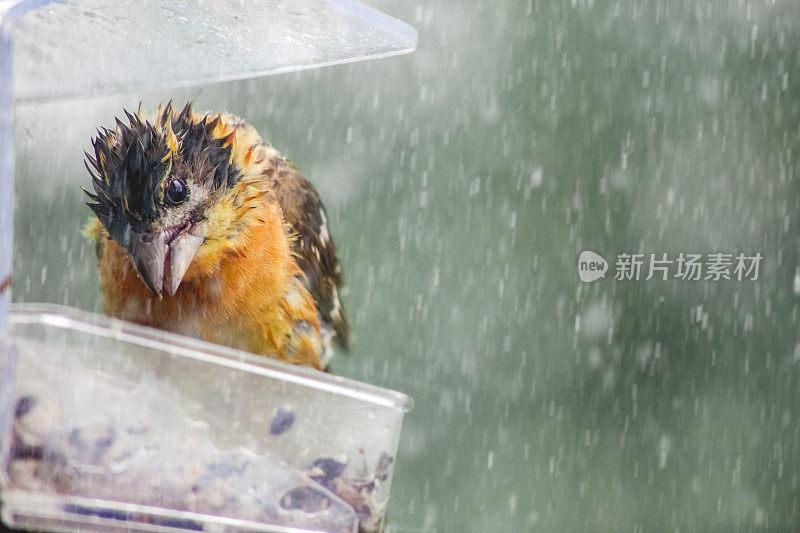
x=177 y=191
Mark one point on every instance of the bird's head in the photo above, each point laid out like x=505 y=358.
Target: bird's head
x=164 y=188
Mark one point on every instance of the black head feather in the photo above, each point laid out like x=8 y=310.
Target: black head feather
x=132 y=163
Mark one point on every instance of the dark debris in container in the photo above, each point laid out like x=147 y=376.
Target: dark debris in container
x=357 y=489
x=326 y=470
x=24 y=405
x=307 y=499
x=282 y=421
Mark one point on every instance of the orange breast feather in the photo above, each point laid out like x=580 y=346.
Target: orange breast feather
x=246 y=294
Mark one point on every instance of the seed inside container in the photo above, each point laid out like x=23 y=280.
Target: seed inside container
x=306 y=499
x=24 y=405
x=282 y=420
x=326 y=469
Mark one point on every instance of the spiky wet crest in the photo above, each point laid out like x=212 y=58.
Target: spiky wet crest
x=133 y=162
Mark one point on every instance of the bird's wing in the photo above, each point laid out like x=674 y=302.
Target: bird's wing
x=314 y=248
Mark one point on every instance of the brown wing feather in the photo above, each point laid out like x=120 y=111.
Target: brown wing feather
x=316 y=253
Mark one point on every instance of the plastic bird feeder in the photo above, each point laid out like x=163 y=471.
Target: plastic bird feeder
x=108 y=426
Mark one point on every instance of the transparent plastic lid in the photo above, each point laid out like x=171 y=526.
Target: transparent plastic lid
x=84 y=47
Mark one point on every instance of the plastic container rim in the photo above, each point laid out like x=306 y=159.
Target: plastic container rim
x=34 y=505
x=70 y=318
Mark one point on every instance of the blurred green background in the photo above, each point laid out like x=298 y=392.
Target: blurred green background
x=462 y=183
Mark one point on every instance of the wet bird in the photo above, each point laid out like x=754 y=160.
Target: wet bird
x=202 y=228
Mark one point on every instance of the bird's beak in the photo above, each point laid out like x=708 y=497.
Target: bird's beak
x=161 y=260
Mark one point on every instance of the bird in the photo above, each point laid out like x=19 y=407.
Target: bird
x=202 y=228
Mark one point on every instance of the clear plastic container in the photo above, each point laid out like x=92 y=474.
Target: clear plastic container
x=112 y=426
